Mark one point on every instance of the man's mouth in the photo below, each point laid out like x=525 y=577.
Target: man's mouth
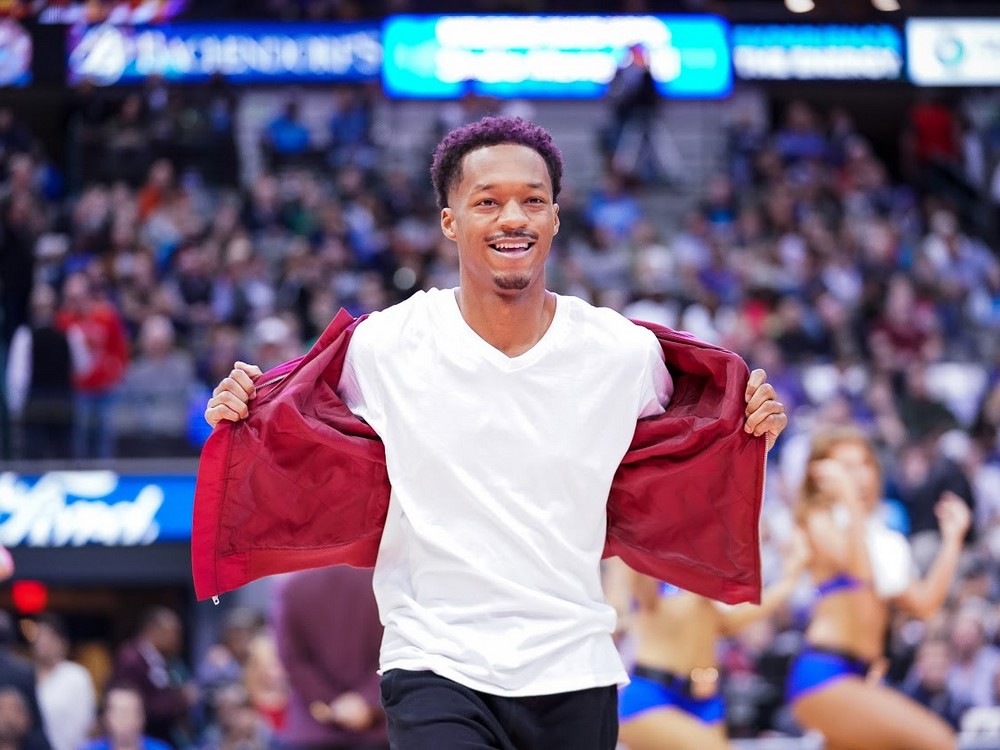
x=512 y=247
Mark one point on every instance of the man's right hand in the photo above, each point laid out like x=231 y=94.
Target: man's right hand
x=231 y=397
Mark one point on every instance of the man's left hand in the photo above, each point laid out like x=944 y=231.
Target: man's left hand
x=765 y=414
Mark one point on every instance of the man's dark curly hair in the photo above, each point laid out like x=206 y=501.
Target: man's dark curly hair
x=446 y=169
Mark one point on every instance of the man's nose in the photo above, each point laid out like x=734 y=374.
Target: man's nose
x=512 y=216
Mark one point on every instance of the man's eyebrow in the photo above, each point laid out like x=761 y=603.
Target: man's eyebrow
x=490 y=186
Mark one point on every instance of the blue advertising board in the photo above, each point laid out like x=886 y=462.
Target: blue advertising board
x=572 y=57
x=242 y=52
x=804 y=52
x=75 y=508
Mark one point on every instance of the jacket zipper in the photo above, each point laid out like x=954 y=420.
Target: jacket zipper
x=272 y=381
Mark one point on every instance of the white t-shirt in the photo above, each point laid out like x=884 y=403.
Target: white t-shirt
x=68 y=706
x=489 y=568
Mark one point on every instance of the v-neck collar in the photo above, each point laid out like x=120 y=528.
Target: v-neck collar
x=552 y=334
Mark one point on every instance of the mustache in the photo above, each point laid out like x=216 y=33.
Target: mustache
x=522 y=235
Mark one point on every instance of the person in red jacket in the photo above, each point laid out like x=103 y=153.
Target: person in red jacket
x=505 y=412
x=107 y=358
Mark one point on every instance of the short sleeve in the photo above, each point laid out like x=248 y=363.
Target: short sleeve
x=359 y=385
x=656 y=385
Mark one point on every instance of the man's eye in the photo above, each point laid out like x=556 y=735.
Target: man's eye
x=487 y=202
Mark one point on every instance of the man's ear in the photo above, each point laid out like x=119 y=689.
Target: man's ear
x=448 y=223
x=555 y=208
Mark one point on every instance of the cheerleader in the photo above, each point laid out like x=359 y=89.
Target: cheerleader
x=674 y=698
x=860 y=569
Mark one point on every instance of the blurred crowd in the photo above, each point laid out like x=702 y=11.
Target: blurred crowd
x=131 y=281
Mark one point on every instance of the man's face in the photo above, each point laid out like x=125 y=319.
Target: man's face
x=934 y=662
x=124 y=717
x=502 y=216
x=14 y=718
x=48 y=646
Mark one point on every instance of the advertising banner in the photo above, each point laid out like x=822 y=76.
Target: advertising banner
x=572 y=57
x=953 y=51
x=779 y=52
x=241 y=52
x=75 y=508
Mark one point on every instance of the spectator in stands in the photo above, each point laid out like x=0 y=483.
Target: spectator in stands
x=65 y=689
x=224 y=662
x=927 y=682
x=350 y=128
x=17 y=674
x=266 y=681
x=971 y=677
x=286 y=141
x=334 y=701
x=151 y=663
x=235 y=725
x=746 y=137
x=86 y=309
x=124 y=719
x=640 y=145
x=15 y=138
x=859 y=567
x=926 y=475
x=21 y=222
x=614 y=210
x=274 y=341
x=801 y=139
x=931 y=141
x=157 y=190
x=127 y=146
x=15 y=721
x=40 y=368
x=159 y=381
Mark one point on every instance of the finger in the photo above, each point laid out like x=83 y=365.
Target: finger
x=252 y=370
x=757 y=378
x=764 y=412
x=763 y=394
x=773 y=426
x=230 y=385
x=244 y=381
x=222 y=412
x=237 y=405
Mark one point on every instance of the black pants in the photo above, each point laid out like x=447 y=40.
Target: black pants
x=428 y=712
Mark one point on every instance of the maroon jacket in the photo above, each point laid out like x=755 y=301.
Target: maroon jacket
x=301 y=483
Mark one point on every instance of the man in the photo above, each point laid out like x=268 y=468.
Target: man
x=124 y=720
x=505 y=412
x=15 y=721
x=97 y=319
x=17 y=674
x=149 y=663
x=333 y=681
x=65 y=689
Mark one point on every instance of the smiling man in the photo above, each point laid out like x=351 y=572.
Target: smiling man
x=505 y=411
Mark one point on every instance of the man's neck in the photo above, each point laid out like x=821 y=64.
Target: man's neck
x=511 y=323
x=44 y=669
